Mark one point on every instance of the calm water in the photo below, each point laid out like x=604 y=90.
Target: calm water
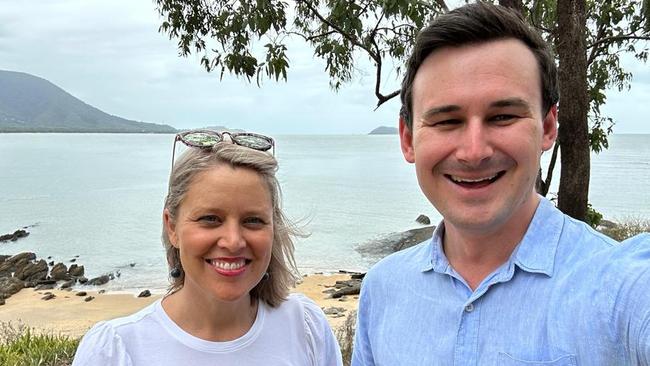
x=99 y=196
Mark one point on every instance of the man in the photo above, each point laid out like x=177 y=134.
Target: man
x=507 y=279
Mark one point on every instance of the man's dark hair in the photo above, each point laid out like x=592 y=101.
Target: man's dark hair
x=478 y=23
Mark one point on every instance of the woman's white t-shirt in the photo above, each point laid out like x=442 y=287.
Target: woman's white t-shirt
x=294 y=333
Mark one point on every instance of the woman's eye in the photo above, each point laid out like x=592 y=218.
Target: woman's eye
x=208 y=219
x=254 y=221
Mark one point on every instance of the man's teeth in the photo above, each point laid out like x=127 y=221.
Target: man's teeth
x=228 y=266
x=465 y=180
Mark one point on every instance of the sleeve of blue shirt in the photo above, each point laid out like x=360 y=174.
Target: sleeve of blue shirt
x=635 y=272
x=362 y=353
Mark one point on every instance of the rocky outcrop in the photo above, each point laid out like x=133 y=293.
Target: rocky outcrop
x=23 y=270
x=98 y=281
x=32 y=271
x=377 y=249
x=14 y=236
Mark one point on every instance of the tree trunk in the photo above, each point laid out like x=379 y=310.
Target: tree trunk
x=573 y=131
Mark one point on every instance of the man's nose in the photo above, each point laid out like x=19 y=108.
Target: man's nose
x=475 y=145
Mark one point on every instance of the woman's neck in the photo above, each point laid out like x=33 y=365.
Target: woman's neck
x=209 y=318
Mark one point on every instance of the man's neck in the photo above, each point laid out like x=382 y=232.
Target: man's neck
x=474 y=254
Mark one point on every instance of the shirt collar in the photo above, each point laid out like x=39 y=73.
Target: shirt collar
x=535 y=252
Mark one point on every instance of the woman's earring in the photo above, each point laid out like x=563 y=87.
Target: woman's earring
x=266 y=276
x=175 y=272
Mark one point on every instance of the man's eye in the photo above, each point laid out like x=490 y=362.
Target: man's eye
x=503 y=117
x=446 y=122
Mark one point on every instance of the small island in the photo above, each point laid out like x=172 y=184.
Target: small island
x=384 y=130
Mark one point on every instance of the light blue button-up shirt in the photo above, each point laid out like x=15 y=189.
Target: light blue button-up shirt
x=567 y=296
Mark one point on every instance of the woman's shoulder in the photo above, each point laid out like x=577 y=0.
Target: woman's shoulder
x=321 y=343
x=105 y=343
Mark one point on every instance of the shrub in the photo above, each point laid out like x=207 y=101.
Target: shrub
x=345 y=337
x=628 y=227
x=21 y=346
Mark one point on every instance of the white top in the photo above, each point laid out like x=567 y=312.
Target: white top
x=294 y=333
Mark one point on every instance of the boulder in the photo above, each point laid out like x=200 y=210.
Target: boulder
x=145 y=293
x=4 y=257
x=82 y=280
x=89 y=298
x=59 y=272
x=10 y=286
x=98 y=281
x=81 y=293
x=32 y=271
x=28 y=256
x=48 y=296
x=424 y=220
x=76 y=270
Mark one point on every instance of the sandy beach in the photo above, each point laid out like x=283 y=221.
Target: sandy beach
x=70 y=315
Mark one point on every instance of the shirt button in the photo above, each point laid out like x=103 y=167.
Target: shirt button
x=469 y=308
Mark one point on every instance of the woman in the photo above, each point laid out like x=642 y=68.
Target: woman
x=230 y=255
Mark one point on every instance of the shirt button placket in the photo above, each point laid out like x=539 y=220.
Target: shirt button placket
x=467 y=339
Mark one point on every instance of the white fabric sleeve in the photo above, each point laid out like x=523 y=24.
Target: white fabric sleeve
x=101 y=346
x=321 y=343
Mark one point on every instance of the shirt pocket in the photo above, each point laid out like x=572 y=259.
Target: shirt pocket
x=507 y=360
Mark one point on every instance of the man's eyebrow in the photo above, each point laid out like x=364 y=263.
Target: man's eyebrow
x=438 y=110
x=510 y=102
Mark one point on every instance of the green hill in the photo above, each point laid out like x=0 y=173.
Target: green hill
x=31 y=104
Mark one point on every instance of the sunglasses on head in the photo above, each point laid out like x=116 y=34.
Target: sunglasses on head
x=206 y=139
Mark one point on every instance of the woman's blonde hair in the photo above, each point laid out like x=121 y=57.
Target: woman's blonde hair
x=282 y=270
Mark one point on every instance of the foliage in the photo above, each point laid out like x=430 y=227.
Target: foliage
x=228 y=34
x=21 y=346
x=250 y=38
x=593 y=217
x=629 y=227
x=345 y=337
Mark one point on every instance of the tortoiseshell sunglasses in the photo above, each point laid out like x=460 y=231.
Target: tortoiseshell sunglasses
x=206 y=139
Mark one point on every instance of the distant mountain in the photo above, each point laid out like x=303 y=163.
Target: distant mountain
x=31 y=104
x=383 y=130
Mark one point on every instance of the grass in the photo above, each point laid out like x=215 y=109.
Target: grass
x=22 y=346
x=345 y=337
x=628 y=227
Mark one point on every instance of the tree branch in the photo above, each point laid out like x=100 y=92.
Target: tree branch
x=385 y=98
x=546 y=184
x=443 y=5
x=340 y=31
x=617 y=38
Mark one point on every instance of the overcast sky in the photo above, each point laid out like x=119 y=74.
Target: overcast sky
x=109 y=54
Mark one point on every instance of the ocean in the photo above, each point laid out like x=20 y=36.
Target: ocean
x=97 y=198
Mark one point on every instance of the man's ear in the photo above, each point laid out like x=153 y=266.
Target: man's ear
x=170 y=228
x=406 y=140
x=550 y=128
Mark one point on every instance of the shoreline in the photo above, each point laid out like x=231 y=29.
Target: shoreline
x=68 y=314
